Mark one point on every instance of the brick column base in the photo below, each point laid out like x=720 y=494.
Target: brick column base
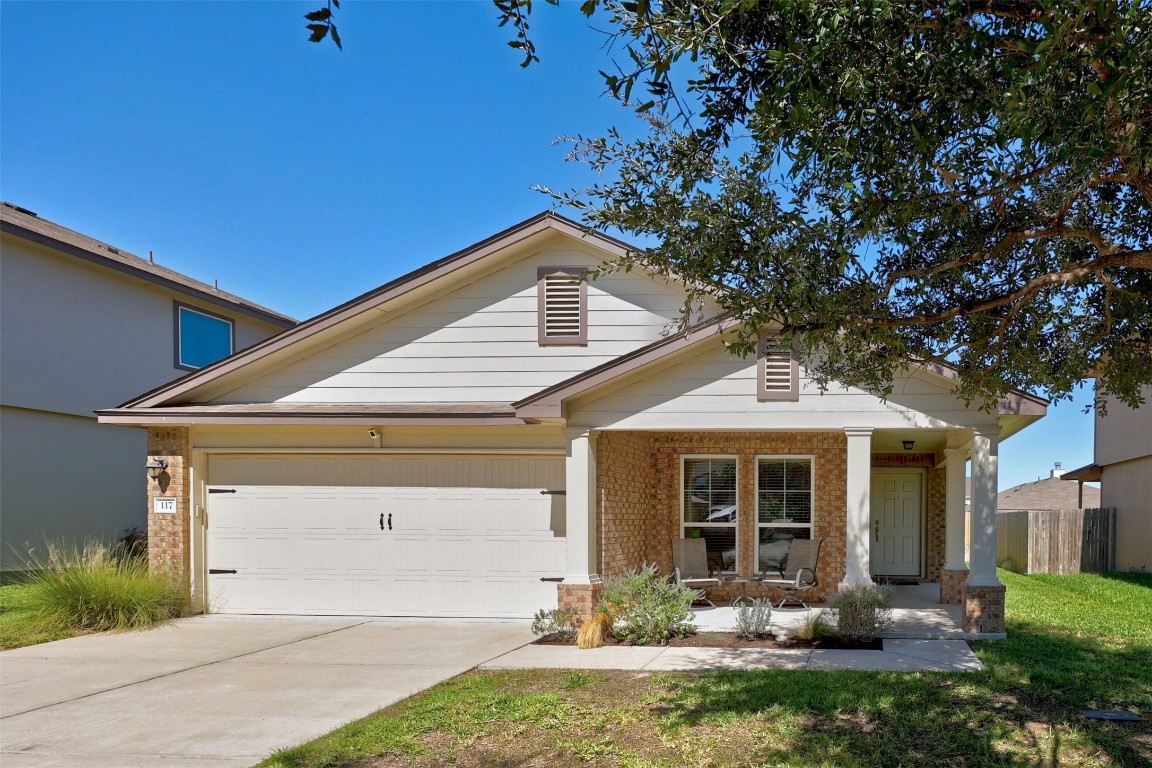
x=983 y=609
x=582 y=598
x=952 y=585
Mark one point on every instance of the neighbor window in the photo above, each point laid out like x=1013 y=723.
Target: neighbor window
x=783 y=507
x=562 y=305
x=202 y=338
x=777 y=372
x=709 y=507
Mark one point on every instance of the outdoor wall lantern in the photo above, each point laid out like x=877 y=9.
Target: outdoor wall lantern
x=156 y=467
x=908 y=444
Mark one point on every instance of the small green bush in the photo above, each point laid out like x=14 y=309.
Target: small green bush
x=554 y=621
x=648 y=609
x=95 y=588
x=861 y=611
x=754 y=621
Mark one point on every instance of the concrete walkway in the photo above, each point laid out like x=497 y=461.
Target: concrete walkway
x=222 y=691
x=897 y=656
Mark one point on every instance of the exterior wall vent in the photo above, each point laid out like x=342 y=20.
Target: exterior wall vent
x=562 y=305
x=777 y=372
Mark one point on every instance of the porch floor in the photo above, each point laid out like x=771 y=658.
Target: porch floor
x=916 y=615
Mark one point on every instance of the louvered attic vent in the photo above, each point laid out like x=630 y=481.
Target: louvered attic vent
x=777 y=372
x=563 y=305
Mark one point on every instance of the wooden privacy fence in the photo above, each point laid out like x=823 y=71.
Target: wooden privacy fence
x=1057 y=540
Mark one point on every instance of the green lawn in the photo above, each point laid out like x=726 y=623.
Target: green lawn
x=14 y=631
x=1074 y=642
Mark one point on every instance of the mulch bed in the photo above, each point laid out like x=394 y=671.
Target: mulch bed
x=727 y=640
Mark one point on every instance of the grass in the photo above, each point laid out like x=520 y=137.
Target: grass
x=1074 y=642
x=92 y=588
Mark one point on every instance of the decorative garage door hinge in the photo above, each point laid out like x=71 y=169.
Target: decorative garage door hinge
x=221 y=490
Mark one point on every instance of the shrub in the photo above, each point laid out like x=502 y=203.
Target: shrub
x=649 y=609
x=95 y=588
x=554 y=621
x=815 y=627
x=861 y=611
x=754 y=621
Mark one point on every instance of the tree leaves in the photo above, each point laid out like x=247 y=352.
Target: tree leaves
x=322 y=24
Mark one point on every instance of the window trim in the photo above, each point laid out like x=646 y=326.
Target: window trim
x=176 y=307
x=734 y=524
x=580 y=340
x=811 y=524
x=763 y=394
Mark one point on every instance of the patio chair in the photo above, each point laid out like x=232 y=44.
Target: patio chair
x=690 y=561
x=799 y=572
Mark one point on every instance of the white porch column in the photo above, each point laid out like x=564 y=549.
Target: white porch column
x=954 y=460
x=985 y=459
x=857 y=565
x=580 y=507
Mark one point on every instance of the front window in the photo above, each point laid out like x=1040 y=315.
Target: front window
x=709 y=507
x=202 y=338
x=783 y=507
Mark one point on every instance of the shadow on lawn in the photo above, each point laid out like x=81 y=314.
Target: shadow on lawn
x=1021 y=710
x=1135 y=579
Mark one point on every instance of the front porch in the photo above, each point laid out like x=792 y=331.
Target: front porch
x=917 y=614
x=888 y=505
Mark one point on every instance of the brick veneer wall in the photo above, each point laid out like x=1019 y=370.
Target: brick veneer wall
x=935 y=499
x=624 y=482
x=168 y=534
x=644 y=493
x=983 y=609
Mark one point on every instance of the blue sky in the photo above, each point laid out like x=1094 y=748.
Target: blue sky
x=216 y=136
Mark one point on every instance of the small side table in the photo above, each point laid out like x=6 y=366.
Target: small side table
x=739 y=599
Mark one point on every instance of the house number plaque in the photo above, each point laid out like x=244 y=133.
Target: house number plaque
x=164 y=505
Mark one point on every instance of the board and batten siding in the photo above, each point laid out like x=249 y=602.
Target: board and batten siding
x=716 y=390
x=478 y=342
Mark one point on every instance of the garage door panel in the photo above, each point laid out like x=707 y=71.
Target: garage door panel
x=475 y=542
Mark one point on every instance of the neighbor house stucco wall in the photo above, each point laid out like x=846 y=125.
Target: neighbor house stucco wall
x=1128 y=488
x=79 y=337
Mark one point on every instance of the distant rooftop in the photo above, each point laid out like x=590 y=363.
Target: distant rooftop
x=28 y=225
x=1049 y=493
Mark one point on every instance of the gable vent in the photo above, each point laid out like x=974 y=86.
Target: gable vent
x=778 y=373
x=563 y=306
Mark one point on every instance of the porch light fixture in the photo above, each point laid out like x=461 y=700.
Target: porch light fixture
x=156 y=467
x=908 y=444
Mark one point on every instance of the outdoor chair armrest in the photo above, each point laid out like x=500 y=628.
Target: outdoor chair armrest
x=800 y=573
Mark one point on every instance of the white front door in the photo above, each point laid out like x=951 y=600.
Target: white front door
x=385 y=535
x=897 y=512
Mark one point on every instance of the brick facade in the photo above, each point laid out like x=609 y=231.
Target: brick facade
x=581 y=598
x=983 y=609
x=168 y=533
x=638 y=488
x=952 y=586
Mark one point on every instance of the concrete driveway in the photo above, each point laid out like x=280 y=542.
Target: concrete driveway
x=222 y=690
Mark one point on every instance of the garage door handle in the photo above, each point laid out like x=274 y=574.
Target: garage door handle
x=221 y=570
x=381 y=521
x=389 y=521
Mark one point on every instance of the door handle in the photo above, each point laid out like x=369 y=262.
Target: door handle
x=876 y=524
x=381 y=521
x=389 y=521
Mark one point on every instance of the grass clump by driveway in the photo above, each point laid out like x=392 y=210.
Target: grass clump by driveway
x=93 y=588
x=1074 y=642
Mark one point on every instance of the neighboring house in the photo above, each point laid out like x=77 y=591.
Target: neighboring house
x=1050 y=493
x=490 y=435
x=86 y=325
x=1123 y=465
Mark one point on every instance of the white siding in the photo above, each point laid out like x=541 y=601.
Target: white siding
x=715 y=390
x=478 y=342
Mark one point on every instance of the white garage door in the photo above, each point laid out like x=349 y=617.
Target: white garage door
x=385 y=535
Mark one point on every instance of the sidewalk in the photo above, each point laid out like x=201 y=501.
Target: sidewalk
x=899 y=655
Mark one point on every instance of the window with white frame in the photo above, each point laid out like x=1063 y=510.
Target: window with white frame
x=709 y=506
x=202 y=337
x=783 y=507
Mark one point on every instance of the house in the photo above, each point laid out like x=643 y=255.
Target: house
x=86 y=325
x=1123 y=466
x=491 y=434
x=1049 y=493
